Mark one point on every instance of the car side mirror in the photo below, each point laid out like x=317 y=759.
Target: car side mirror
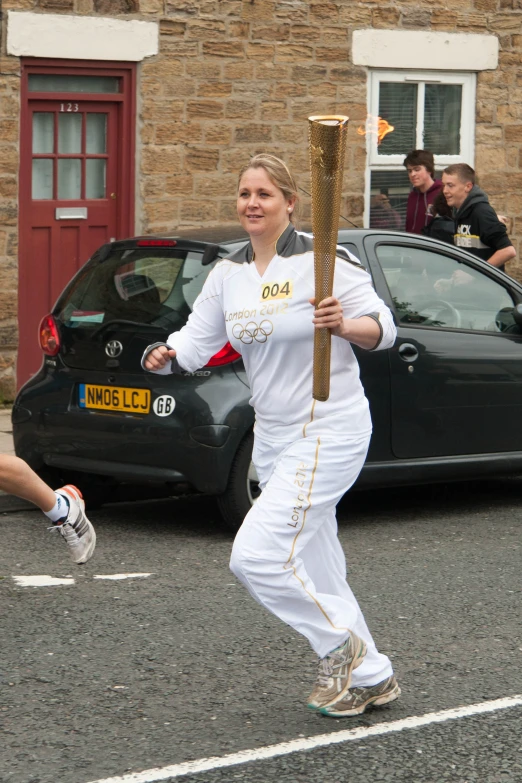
x=517 y=314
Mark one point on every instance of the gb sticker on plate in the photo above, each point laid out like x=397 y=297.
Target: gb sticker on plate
x=164 y=405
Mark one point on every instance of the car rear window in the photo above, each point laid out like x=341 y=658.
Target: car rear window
x=156 y=286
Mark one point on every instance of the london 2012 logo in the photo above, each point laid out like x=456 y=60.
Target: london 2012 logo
x=252 y=331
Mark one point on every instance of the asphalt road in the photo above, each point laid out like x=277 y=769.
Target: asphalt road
x=103 y=677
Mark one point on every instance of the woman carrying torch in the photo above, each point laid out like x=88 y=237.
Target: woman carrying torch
x=307 y=453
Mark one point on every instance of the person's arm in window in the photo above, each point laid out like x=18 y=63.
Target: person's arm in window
x=493 y=233
x=500 y=257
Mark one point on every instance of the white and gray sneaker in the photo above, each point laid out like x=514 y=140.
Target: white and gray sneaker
x=75 y=528
x=356 y=700
x=335 y=672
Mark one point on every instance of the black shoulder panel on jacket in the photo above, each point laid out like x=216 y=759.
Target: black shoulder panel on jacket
x=342 y=252
x=290 y=243
x=293 y=243
x=242 y=255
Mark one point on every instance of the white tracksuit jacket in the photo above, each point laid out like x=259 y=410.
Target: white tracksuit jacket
x=268 y=320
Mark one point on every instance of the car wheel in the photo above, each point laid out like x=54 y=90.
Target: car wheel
x=243 y=486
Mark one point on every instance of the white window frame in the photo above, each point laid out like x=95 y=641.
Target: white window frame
x=379 y=162
x=467 y=119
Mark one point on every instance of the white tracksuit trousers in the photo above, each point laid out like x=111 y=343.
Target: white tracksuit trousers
x=287 y=552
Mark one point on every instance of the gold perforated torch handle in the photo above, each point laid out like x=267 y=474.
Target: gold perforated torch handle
x=327 y=143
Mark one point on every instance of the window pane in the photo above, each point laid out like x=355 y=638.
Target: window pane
x=193 y=278
x=42 y=177
x=431 y=289
x=64 y=83
x=388 y=198
x=96 y=139
x=69 y=178
x=43 y=132
x=398 y=106
x=133 y=285
x=95 y=178
x=159 y=274
x=442 y=111
x=69 y=133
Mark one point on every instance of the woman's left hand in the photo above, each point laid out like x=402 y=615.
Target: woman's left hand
x=329 y=314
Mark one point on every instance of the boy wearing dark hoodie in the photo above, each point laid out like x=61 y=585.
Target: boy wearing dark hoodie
x=421 y=171
x=443 y=225
x=478 y=229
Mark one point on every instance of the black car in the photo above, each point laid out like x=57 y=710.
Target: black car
x=445 y=400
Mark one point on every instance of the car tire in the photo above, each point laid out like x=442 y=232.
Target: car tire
x=242 y=490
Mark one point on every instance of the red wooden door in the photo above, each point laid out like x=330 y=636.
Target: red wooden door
x=76 y=191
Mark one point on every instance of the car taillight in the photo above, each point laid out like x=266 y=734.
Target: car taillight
x=49 y=336
x=226 y=355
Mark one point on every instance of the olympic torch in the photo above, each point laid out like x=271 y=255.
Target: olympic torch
x=327 y=143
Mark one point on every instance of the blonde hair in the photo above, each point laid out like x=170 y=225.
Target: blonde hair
x=278 y=173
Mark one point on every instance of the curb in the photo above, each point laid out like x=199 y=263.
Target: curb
x=10 y=503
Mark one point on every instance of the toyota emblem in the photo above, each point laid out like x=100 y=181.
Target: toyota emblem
x=113 y=348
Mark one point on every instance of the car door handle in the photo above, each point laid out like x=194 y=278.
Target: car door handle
x=408 y=352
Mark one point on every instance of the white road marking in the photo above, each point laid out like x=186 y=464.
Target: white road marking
x=309 y=743
x=43 y=580
x=120 y=576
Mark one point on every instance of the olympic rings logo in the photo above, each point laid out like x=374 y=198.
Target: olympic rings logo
x=247 y=334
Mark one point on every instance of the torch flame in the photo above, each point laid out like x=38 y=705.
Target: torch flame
x=376 y=126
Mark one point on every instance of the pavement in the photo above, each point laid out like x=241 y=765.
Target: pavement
x=6 y=432
x=152 y=656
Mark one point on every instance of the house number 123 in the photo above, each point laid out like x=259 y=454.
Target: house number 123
x=68 y=107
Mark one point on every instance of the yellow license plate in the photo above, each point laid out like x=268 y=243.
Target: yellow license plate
x=114 y=398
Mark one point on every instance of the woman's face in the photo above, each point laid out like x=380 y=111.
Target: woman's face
x=262 y=208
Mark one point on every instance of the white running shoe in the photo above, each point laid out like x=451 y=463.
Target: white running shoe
x=356 y=700
x=76 y=529
x=335 y=672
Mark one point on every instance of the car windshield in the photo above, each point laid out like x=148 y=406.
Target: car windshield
x=146 y=285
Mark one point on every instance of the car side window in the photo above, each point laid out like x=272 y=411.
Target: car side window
x=354 y=250
x=432 y=289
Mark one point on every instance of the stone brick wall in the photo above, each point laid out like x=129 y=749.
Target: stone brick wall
x=234 y=77
x=9 y=147
x=238 y=77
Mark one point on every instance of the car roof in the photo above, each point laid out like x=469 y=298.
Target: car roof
x=233 y=234
x=217 y=235
x=227 y=234
x=210 y=240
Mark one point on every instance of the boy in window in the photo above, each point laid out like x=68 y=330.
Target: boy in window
x=478 y=227
x=421 y=172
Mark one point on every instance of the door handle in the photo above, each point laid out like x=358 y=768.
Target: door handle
x=408 y=352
